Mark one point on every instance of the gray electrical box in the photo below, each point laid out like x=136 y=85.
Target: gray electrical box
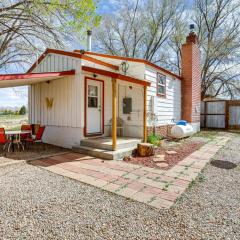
x=127 y=105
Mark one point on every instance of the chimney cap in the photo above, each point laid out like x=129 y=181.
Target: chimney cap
x=192 y=27
x=89 y=32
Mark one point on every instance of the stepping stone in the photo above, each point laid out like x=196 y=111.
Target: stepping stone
x=159 y=158
x=171 y=152
x=162 y=164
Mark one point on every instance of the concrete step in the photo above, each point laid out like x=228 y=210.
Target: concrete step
x=106 y=143
x=104 y=154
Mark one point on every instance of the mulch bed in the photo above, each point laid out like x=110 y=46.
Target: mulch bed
x=183 y=148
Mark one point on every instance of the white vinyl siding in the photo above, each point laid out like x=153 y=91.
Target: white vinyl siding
x=168 y=108
x=136 y=69
x=134 y=120
x=56 y=63
x=66 y=101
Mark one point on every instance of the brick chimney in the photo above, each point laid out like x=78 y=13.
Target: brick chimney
x=191 y=83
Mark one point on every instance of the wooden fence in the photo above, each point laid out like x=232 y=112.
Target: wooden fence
x=223 y=114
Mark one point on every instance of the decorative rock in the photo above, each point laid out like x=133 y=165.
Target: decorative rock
x=127 y=158
x=171 y=152
x=162 y=165
x=145 y=149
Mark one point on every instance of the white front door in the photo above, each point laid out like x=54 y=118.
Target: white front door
x=94 y=106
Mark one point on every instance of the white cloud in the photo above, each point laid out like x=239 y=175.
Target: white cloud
x=13 y=97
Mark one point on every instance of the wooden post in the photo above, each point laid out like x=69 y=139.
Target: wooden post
x=145 y=115
x=114 y=113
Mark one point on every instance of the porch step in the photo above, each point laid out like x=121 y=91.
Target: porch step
x=104 y=154
x=105 y=143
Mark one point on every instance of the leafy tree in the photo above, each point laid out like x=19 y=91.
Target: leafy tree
x=23 y=110
x=8 y=112
x=28 y=26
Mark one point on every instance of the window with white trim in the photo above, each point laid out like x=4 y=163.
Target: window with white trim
x=161 y=85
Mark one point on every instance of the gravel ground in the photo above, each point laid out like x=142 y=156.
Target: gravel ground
x=36 y=204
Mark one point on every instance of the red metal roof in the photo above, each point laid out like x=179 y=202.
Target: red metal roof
x=21 y=79
x=72 y=54
x=18 y=76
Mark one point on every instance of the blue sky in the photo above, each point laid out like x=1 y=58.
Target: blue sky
x=108 y=6
x=18 y=96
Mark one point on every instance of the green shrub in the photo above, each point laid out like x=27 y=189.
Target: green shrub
x=154 y=139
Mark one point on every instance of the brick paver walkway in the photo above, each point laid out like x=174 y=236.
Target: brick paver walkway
x=157 y=188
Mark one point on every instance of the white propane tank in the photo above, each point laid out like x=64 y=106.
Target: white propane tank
x=181 y=131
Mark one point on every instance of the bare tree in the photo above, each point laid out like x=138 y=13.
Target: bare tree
x=171 y=57
x=156 y=30
x=139 y=29
x=28 y=26
x=218 y=25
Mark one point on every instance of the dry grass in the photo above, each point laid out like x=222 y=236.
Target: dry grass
x=12 y=122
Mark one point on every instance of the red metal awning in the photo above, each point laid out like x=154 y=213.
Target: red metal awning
x=14 y=80
x=116 y=75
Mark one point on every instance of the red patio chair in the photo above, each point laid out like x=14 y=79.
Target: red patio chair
x=3 y=139
x=25 y=127
x=37 y=138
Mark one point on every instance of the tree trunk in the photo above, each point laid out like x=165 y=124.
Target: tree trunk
x=145 y=149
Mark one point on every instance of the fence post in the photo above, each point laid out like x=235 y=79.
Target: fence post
x=205 y=115
x=226 y=114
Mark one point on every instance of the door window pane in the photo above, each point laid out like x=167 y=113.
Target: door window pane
x=92 y=91
x=92 y=102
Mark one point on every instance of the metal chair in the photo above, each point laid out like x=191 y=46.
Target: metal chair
x=37 y=138
x=3 y=139
x=120 y=127
x=25 y=127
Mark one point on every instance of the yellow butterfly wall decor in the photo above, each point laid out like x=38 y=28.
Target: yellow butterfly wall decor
x=49 y=102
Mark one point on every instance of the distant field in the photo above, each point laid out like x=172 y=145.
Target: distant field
x=13 y=122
